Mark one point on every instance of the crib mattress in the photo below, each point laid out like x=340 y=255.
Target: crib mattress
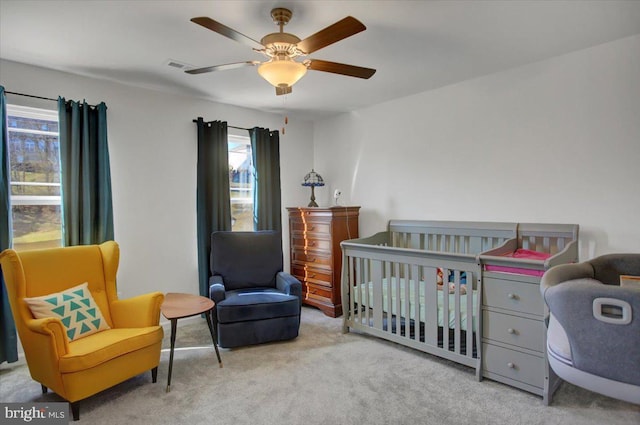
x=362 y=299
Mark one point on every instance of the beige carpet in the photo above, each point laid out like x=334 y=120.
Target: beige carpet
x=322 y=377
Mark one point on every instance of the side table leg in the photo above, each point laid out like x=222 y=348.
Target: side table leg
x=174 y=323
x=213 y=335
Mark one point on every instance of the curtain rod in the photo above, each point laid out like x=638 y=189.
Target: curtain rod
x=232 y=126
x=36 y=97
x=30 y=95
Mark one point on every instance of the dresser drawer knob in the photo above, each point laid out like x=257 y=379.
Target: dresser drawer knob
x=312 y=243
x=311 y=260
x=312 y=275
x=512 y=296
x=310 y=228
x=511 y=365
x=511 y=331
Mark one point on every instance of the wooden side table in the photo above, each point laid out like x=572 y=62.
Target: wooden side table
x=178 y=306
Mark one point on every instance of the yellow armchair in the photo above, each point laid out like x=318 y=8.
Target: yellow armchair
x=76 y=369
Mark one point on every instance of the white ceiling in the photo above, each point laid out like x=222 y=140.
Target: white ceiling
x=414 y=45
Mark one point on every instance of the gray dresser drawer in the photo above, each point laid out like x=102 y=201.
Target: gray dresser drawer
x=514 y=330
x=511 y=295
x=514 y=365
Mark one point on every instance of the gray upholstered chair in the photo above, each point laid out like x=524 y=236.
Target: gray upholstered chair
x=593 y=335
x=256 y=302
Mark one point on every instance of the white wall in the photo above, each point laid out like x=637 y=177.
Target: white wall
x=556 y=141
x=153 y=151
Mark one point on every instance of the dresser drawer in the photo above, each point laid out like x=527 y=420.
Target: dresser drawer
x=511 y=295
x=313 y=291
x=319 y=227
x=299 y=241
x=513 y=365
x=312 y=258
x=312 y=275
x=514 y=330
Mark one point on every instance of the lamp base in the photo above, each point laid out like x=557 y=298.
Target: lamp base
x=313 y=198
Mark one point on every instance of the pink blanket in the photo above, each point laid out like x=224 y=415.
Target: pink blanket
x=521 y=253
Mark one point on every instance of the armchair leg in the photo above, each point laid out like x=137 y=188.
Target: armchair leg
x=154 y=374
x=44 y=389
x=214 y=336
x=75 y=410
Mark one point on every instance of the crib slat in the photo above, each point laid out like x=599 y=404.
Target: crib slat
x=393 y=284
x=431 y=307
x=396 y=296
x=545 y=244
x=470 y=313
x=456 y=311
x=356 y=279
x=445 y=309
x=416 y=278
x=353 y=295
x=376 y=276
x=406 y=314
x=385 y=290
x=363 y=310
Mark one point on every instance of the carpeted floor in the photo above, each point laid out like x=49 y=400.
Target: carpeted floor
x=322 y=377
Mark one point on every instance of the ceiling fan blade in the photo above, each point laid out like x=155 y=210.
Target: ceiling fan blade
x=222 y=67
x=331 y=34
x=227 y=32
x=340 y=68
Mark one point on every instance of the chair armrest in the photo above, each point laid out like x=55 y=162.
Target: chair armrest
x=288 y=284
x=564 y=272
x=216 y=288
x=49 y=337
x=137 y=312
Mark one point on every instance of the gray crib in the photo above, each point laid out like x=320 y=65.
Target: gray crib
x=390 y=285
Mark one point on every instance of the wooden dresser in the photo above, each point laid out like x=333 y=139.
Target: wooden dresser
x=316 y=258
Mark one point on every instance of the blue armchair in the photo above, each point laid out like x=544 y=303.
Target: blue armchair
x=256 y=302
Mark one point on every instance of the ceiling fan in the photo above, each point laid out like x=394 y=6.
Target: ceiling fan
x=282 y=49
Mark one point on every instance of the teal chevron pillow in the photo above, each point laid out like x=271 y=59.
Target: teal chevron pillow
x=75 y=307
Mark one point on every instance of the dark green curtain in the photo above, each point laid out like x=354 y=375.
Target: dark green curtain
x=87 y=211
x=267 y=205
x=8 y=339
x=213 y=197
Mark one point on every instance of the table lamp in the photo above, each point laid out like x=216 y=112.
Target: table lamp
x=313 y=179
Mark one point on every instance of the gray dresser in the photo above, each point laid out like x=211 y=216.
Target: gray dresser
x=513 y=332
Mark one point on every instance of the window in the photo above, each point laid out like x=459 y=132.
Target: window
x=34 y=177
x=241 y=183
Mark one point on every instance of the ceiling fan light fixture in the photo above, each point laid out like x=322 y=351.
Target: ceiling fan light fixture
x=281 y=72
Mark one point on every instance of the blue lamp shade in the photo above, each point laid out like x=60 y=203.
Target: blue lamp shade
x=313 y=179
